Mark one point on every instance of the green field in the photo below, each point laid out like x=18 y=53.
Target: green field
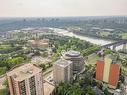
x=124 y=35
x=92 y=59
x=104 y=34
x=4 y=46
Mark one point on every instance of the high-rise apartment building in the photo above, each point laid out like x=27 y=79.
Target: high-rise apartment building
x=125 y=85
x=62 y=71
x=25 y=80
x=76 y=58
x=108 y=70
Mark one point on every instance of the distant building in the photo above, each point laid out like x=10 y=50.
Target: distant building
x=125 y=85
x=62 y=71
x=25 y=80
x=42 y=44
x=76 y=58
x=108 y=70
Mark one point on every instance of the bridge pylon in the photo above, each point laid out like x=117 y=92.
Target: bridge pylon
x=124 y=47
x=114 y=47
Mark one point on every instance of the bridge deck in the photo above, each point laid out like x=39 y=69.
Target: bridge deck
x=118 y=43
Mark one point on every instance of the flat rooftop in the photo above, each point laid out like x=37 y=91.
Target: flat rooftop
x=113 y=57
x=63 y=62
x=24 y=72
x=39 y=42
x=72 y=53
x=113 y=60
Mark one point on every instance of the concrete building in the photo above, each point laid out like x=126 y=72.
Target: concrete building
x=25 y=80
x=49 y=89
x=62 y=71
x=42 y=44
x=125 y=85
x=107 y=70
x=76 y=58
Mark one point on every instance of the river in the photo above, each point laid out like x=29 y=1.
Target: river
x=93 y=40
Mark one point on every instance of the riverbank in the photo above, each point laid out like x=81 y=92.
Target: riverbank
x=97 y=37
x=93 y=40
x=82 y=37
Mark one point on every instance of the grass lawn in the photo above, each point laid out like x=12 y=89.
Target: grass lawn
x=4 y=46
x=92 y=59
x=124 y=35
x=104 y=34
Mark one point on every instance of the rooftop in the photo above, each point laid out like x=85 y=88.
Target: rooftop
x=39 y=42
x=113 y=57
x=63 y=62
x=72 y=53
x=23 y=72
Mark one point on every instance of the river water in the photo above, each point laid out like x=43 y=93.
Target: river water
x=93 y=40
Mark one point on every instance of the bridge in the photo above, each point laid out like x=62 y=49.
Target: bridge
x=116 y=44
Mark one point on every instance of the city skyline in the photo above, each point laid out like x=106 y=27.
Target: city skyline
x=47 y=8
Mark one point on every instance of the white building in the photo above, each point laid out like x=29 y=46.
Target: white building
x=62 y=71
x=25 y=80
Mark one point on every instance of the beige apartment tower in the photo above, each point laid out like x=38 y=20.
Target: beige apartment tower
x=25 y=80
x=62 y=71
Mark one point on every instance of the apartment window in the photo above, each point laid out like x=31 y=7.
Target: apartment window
x=32 y=85
x=23 y=87
x=66 y=74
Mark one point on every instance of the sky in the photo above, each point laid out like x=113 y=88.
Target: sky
x=48 y=8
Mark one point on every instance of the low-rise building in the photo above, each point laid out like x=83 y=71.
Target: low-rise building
x=42 y=44
x=62 y=71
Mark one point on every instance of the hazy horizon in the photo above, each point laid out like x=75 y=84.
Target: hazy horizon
x=62 y=8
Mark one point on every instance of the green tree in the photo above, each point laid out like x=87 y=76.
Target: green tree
x=45 y=54
x=62 y=89
x=75 y=90
x=90 y=91
x=43 y=66
x=15 y=61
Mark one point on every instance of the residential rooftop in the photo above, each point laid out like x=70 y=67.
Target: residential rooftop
x=39 y=42
x=63 y=62
x=112 y=57
x=72 y=53
x=24 y=72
